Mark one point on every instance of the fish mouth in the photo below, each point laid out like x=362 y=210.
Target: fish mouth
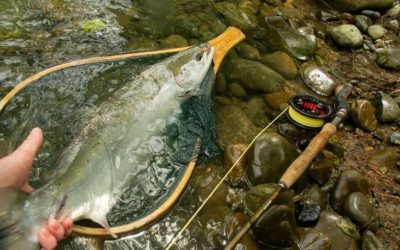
x=208 y=53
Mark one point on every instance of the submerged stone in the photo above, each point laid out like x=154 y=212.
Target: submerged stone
x=173 y=41
x=254 y=75
x=356 y=5
x=234 y=16
x=231 y=155
x=318 y=80
x=247 y=51
x=341 y=232
x=269 y=158
x=236 y=90
x=346 y=35
x=281 y=36
x=312 y=239
x=389 y=58
x=363 y=114
x=213 y=225
x=281 y=63
x=233 y=226
x=387 y=110
x=371 y=242
x=360 y=208
x=233 y=126
x=220 y=84
x=349 y=181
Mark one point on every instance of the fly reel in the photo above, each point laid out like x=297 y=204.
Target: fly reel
x=308 y=112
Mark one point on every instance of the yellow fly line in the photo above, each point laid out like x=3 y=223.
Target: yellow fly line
x=305 y=120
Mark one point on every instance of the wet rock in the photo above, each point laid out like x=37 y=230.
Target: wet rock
x=356 y=5
x=281 y=63
x=359 y=208
x=383 y=158
x=397 y=178
x=376 y=31
x=362 y=22
x=341 y=232
x=267 y=11
x=257 y=195
x=395 y=138
x=143 y=44
x=173 y=41
x=254 y=75
x=363 y=114
x=314 y=195
x=220 y=84
x=326 y=16
x=321 y=170
x=233 y=126
x=346 y=35
x=371 y=14
x=276 y=99
x=293 y=132
x=233 y=226
x=348 y=182
x=317 y=79
x=236 y=90
x=280 y=36
x=312 y=239
x=231 y=155
x=246 y=51
x=389 y=58
x=251 y=5
x=213 y=225
x=335 y=146
x=269 y=158
x=307 y=215
x=235 y=16
x=387 y=110
x=371 y=242
x=276 y=228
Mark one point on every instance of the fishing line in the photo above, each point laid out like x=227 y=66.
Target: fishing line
x=172 y=242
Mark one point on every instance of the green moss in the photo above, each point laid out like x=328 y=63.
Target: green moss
x=91 y=25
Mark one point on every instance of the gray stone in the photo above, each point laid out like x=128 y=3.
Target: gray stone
x=389 y=58
x=394 y=12
x=269 y=158
x=346 y=35
x=376 y=31
x=326 y=16
x=394 y=24
x=387 y=110
x=395 y=138
x=356 y=5
x=362 y=22
x=318 y=80
x=360 y=208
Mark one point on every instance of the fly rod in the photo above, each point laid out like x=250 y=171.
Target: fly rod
x=299 y=166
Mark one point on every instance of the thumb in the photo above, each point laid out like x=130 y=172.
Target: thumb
x=26 y=152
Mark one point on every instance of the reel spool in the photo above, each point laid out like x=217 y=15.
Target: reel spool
x=308 y=112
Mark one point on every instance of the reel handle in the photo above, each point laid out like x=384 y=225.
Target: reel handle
x=299 y=166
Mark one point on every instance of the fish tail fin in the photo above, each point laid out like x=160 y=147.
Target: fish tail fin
x=11 y=237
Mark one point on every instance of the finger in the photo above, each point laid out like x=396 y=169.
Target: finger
x=67 y=223
x=46 y=239
x=56 y=228
x=29 y=147
x=27 y=188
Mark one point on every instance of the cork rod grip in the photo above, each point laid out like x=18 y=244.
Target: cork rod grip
x=299 y=166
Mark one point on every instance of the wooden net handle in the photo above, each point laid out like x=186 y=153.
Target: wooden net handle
x=299 y=166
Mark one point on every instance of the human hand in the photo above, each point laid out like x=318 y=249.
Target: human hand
x=14 y=172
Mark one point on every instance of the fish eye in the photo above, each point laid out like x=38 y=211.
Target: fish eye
x=199 y=56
